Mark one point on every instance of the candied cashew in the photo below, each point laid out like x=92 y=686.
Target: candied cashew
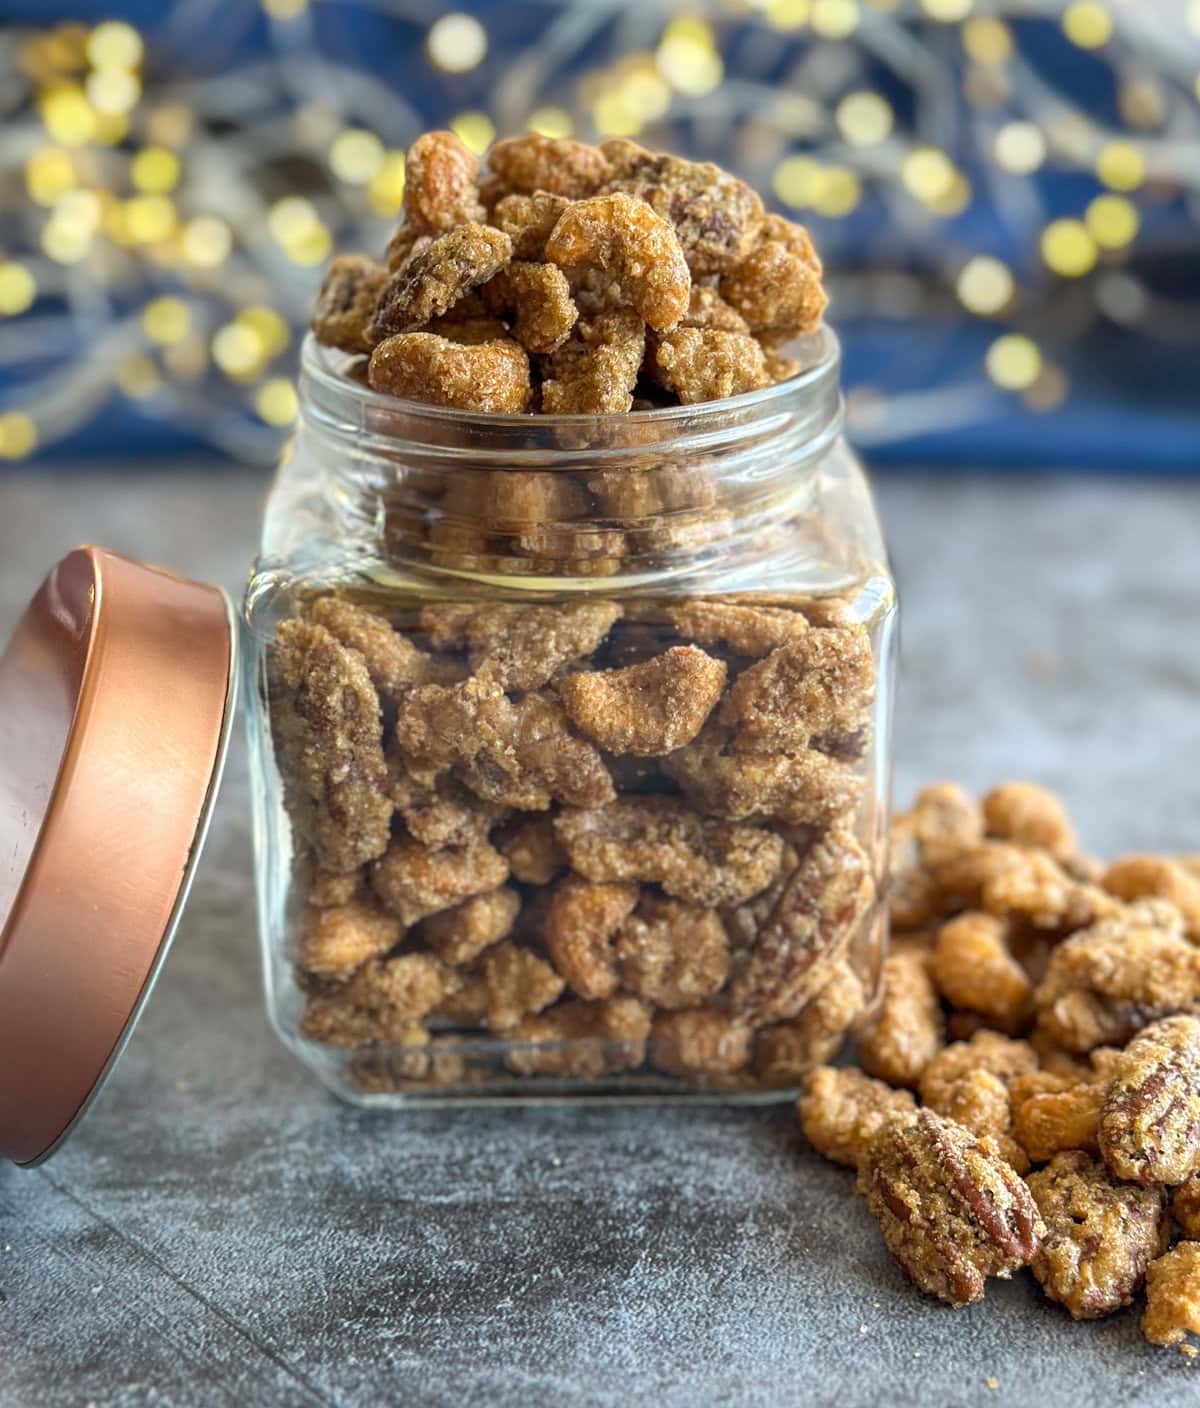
x=703 y=364
x=745 y=629
x=777 y=287
x=528 y=220
x=337 y=940
x=440 y=184
x=346 y=303
x=946 y=820
x=841 y=1111
x=975 y=968
x=446 y=814
x=986 y=1051
x=1029 y=815
x=557 y=165
x=538 y=297
x=461 y=934
x=622 y=235
x=392 y=660
x=433 y=279
x=581 y=928
x=491 y=377
x=328 y=734
x=672 y=954
x=532 y=850
x=1173 y=1295
x=330 y=888
x=707 y=309
x=413 y=881
x=647 y=709
x=906 y=1034
x=785 y=1053
x=595 y=371
x=1032 y=885
x=1049 y=1122
x=698 y=1042
x=1155 y=877
x=580 y=1039
x=385 y=1001
x=519 y=985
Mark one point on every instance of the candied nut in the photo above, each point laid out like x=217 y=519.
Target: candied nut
x=468 y=332
x=421 y=366
x=331 y=887
x=945 y=820
x=659 y=840
x=446 y=814
x=975 y=969
x=1155 y=877
x=979 y=1101
x=1050 y=1121
x=519 y=984
x=707 y=309
x=820 y=682
x=539 y=298
x=520 y=647
x=406 y=242
x=461 y=934
x=336 y=941
x=528 y=221
x=841 y=1112
x=699 y=1041
x=962 y=874
x=746 y=630
x=672 y=954
x=392 y=660
x=1029 y=815
x=1100 y=1235
x=1150 y=1123
x=532 y=850
x=558 y=165
x=440 y=189
x=384 y=1001
x=465 y=999
x=622 y=236
x=951 y=1210
x=777 y=286
x=906 y=1034
x=328 y=735
x=346 y=302
x=1032 y=885
x=807 y=933
x=581 y=1039
x=1185 y=1206
x=802 y=788
x=581 y=929
x=334 y=1020
x=703 y=364
x=413 y=881
x=915 y=898
x=785 y=1053
x=1173 y=1295
x=433 y=279
x=438 y=1062
x=780 y=368
x=715 y=215
x=595 y=371
x=647 y=709
x=986 y=1051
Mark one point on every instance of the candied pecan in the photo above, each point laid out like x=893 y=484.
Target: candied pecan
x=433 y=279
x=328 y=734
x=647 y=709
x=440 y=189
x=803 y=788
x=413 y=881
x=1185 y=1206
x=807 y=933
x=622 y=236
x=841 y=1112
x=581 y=1039
x=1155 y=877
x=986 y=1051
x=745 y=629
x=460 y=934
x=483 y=376
x=1150 y=1123
x=1100 y=1235
x=951 y=1210
x=581 y=929
x=698 y=1042
x=945 y=821
x=539 y=299
x=1173 y=1295
x=1029 y=815
x=532 y=850
x=520 y=647
x=975 y=969
x=672 y=954
x=906 y=1034
x=331 y=887
x=715 y=215
x=446 y=814
x=558 y=165
x=595 y=370
x=777 y=286
x=820 y=682
x=392 y=660
x=703 y=364
x=1049 y=1121
x=979 y=1101
x=346 y=302
x=660 y=840
x=707 y=309
x=785 y=1053
x=336 y=941
x=528 y=221
x=519 y=984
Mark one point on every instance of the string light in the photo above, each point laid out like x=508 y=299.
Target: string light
x=1120 y=166
x=1112 y=221
x=789 y=14
x=18 y=289
x=166 y=320
x=947 y=11
x=1019 y=147
x=984 y=286
x=476 y=130
x=18 y=435
x=238 y=350
x=275 y=401
x=457 y=43
x=155 y=170
x=1013 y=361
x=864 y=118
x=206 y=241
x=987 y=40
x=834 y=19
x=687 y=58
x=928 y=174
x=386 y=188
x=114 y=45
x=1068 y=248
x=1087 y=24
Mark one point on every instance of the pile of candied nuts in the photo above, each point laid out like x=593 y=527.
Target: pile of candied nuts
x=604 y=837
x=572 y=279
x=1043 y=1010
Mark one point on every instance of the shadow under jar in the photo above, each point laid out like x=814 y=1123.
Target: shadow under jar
x=570 y=742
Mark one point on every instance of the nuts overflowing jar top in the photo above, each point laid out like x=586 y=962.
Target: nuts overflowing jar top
x=568 y=279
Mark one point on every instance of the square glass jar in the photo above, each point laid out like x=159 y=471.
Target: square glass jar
x=570 y=740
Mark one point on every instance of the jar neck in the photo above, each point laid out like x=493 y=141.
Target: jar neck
x=613 y=495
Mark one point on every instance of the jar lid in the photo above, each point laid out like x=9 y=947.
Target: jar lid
x=117 y=692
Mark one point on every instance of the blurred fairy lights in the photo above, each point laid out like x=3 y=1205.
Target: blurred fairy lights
x=169 y=229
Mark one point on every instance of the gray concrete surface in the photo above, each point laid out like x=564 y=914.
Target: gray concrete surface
x=220 y=1231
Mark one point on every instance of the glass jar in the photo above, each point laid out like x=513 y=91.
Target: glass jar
x=570 y=742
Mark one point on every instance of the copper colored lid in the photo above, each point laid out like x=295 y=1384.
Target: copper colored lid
x=116 y=692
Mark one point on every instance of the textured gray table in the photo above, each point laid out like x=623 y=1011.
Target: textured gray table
x=220 y=1231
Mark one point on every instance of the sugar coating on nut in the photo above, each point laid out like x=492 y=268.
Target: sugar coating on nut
x=906 y=1034
x=1156 y=877
x=1150 y=1123
x=490 y=377
x=745 y=629
x=1048 y=1122
x=842 y=1110
x=461 y=934
x=393 y=661
x=413 y=881
x=986 y=1051
x=707 y=364
x=528 y=220
x=532 y=850
x=672 y=954
x=1173 y=1295
x=446 y=814
x=440 y=184
x=433 y=279
x=595 y=371
x=975 y=969
x=777 y=287
x=581 y=929
x=786 y=1052
x=346 y=303
x=700 y=1042
x=337 y=940
x=1029 y=815
x=538 y=297
x=557 y=165
x=581 y=1039
x=519 y=984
